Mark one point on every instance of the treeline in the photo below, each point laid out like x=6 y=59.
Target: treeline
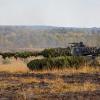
x=12 y=36
x=53 y=52
x=16 y=55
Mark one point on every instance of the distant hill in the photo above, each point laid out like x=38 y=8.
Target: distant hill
x=15 y=37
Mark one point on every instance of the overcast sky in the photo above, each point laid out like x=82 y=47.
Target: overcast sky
x=68 y=13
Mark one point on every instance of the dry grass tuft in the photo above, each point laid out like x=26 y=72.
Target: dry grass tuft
x=74 y=87
x=29 y=80
x=83 y=69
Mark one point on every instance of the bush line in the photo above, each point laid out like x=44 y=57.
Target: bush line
x=57 y=63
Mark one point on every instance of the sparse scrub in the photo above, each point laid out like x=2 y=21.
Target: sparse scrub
x=6 y=61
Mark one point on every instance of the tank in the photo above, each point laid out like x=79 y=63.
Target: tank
x=80 y=49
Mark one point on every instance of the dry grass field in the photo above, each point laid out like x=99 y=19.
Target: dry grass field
x=14 y=66
x=18 y=83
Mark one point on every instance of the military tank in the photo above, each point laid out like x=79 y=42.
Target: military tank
x=80 y=49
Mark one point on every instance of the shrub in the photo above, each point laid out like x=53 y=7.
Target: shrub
x=25 y=54
x=56 y=62
x=6 y=61
x=55 y=52
x=22 y=54
x=7 y=55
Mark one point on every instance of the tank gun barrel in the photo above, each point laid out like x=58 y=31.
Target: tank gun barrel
x=73 y=43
